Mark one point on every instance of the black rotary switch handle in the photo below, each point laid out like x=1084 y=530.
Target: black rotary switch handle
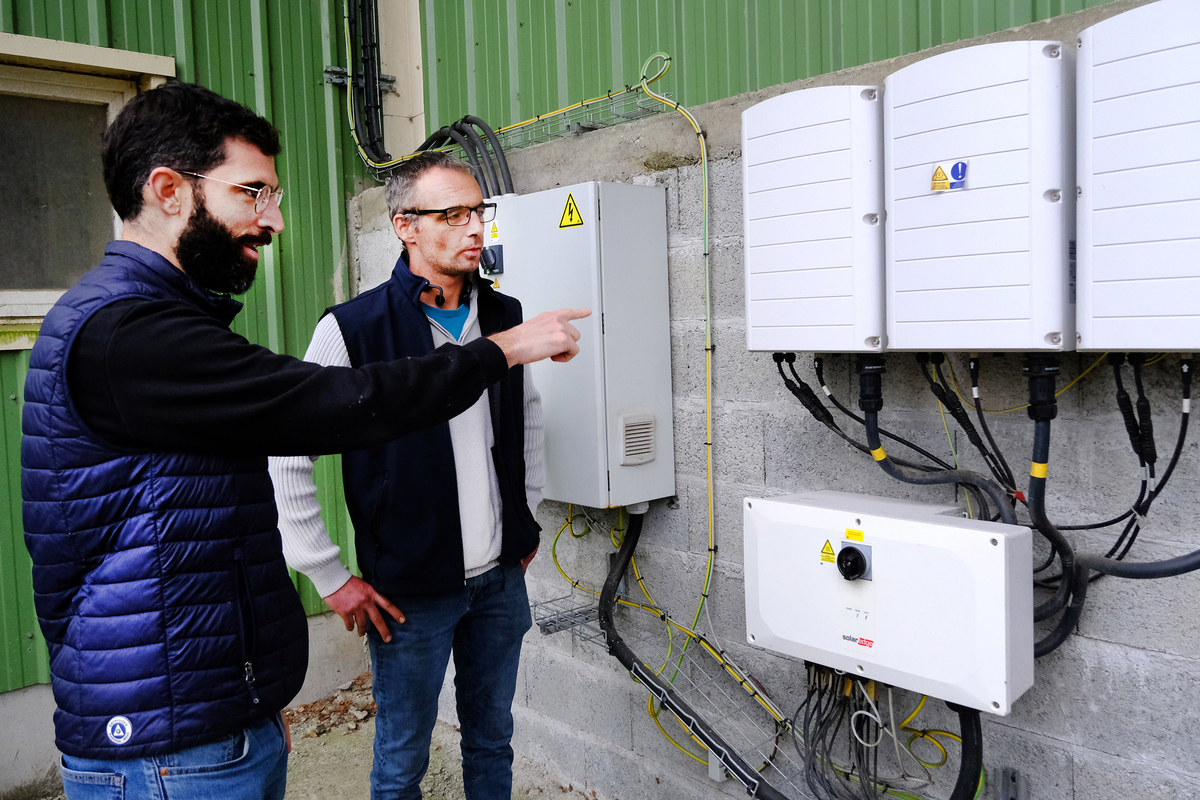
x=851 y=563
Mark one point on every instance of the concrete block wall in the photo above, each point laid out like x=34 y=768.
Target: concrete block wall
x=1111 y=714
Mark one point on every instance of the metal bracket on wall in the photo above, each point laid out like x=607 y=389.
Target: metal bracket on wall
x=1012 y=785
x=339 y=77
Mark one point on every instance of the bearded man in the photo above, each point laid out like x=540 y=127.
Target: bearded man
x=175 y=634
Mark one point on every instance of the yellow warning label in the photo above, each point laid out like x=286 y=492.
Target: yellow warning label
x=495 y=231
x=570 y=216
x=940 y=182
x=827 y=552
x=496 y=283
x=853 y=535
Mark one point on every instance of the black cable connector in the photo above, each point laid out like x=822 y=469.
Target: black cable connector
x=803 y=392
x=819 y=369
x=1011 y=480
x=1145 y=424
x=1126 y=407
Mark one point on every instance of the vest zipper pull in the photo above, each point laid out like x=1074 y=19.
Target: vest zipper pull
x=249 y=671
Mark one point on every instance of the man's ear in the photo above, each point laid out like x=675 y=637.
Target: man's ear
x=405 y=227
x=167 y=191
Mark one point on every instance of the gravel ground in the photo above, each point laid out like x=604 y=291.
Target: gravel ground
x=331 y=755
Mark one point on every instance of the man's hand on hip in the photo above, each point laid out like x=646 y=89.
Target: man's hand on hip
x=548 y=335
x=525 y=561
x=356 y=602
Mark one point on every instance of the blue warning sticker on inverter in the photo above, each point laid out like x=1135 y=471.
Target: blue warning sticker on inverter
x=949 y=175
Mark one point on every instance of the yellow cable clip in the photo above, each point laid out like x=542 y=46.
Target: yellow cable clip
x=878 y=454
x=1037 y=470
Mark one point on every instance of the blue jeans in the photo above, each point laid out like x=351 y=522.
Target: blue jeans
x=249 y=765
x=483 y=623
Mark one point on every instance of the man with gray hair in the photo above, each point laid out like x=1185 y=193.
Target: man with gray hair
x=443 y=518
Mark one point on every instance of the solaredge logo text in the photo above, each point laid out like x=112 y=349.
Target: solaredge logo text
x=858 y=641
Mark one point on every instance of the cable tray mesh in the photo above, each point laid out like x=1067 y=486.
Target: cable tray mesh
x=723 y=694
x=603 y=113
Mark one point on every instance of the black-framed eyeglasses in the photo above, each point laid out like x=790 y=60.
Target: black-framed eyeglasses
x=262 y=194
x=459 y=215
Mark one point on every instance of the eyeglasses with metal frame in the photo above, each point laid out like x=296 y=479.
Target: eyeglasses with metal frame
x=262 y=194
x=459 y=215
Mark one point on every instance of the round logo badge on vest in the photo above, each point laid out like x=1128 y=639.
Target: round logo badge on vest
x=119 y=730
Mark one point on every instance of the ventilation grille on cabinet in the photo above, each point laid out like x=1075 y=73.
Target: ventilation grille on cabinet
x=637 y=438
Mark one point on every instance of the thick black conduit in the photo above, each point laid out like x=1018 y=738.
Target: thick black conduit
x=361 y=17
x=1037 y=514
x=717 y=745
x=1043 y=408
x=494 y=185
x=870 y=401
x=465 y=144
x=501 y=159
x=971 y=765
x=435 y=140
x=1087 y=563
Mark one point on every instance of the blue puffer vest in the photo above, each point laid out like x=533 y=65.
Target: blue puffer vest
x=159 y=577
x=403 y=495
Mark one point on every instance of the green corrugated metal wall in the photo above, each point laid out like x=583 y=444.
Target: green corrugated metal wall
x=270 y=55
x=23 y=652
x=509 y=60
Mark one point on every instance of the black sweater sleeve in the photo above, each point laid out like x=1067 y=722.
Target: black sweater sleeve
x=162 y=374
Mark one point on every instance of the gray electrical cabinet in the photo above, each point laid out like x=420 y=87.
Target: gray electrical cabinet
x=608 y=412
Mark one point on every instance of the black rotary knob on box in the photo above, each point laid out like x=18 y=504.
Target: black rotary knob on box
x=851 y=563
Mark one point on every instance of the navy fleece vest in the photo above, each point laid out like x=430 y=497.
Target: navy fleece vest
x=159 y=577
x=403 y=496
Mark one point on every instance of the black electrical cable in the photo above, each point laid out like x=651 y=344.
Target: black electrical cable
x=1126 y=407
x=465 y=144
x=1108 y=522
x=1037 y=514
x=367 y=115
x=870 y=370
x=1141 y=507
x=480 y=149
x=819 y=369
x=973 y=366
x=1145 y=424
x=951 y=403
x=435 y=140
x=971 y=764
x=808 y=398
x=497 y=150
x=717 y=745
x=955 y=407
x=1085 y=563
x=1185 y=367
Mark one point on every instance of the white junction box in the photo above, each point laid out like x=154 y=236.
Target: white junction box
x=944 y=606
x=608 y=412
x=812 y=168
x=1139 y=180
x=980 y=196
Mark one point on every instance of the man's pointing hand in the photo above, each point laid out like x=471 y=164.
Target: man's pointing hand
x=548 y=335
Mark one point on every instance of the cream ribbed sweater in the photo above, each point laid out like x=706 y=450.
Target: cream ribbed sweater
x=306 y=543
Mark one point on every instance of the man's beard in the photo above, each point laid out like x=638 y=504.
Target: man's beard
x=213 y=257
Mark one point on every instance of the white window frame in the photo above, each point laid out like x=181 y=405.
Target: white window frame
x=52 y=70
